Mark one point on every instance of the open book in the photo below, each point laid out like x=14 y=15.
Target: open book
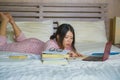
x=55 y=57
x=55 y=54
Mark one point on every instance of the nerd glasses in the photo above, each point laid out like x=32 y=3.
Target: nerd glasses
x=57 y=50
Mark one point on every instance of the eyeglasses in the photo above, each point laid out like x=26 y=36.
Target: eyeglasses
x=57 y=50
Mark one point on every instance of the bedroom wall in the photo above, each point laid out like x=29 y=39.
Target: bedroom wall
x=113 y=9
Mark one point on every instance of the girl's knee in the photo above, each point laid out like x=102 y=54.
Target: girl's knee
x=3 y=43
x=3 y=40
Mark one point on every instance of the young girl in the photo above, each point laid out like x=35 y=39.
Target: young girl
x=64 y=38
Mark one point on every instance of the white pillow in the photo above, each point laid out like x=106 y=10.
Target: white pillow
x=88 y=31
x=40 y=30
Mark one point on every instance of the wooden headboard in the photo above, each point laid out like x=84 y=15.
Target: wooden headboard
x=56 y=11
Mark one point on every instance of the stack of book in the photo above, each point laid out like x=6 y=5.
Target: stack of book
x=55 y=57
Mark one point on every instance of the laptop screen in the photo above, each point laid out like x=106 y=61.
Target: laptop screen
x=107 y=50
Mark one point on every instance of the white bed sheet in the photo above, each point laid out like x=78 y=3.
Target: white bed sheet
x=33 y=69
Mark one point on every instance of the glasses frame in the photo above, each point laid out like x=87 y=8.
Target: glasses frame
x=57 y=50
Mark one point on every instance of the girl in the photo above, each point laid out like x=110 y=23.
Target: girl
x=64 y=38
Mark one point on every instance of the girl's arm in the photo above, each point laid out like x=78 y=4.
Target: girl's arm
x=50 y=44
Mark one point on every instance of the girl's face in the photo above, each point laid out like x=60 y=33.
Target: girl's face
x=68 y=39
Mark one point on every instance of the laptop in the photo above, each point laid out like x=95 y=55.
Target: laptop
x=103 y=57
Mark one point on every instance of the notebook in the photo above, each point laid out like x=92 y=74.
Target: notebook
x=103 y=57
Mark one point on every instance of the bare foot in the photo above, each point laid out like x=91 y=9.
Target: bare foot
x=3 y=17
x=11 y=20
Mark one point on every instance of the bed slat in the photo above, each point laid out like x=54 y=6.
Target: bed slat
x=27 y=11
x=54 y=10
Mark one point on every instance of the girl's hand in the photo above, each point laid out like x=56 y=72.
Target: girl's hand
x=73 y=54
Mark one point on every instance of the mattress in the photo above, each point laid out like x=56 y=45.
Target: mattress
x=33 y=69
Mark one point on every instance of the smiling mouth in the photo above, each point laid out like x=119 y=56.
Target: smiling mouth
x=68 y=44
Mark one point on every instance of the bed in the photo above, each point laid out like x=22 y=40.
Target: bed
x=88 y=19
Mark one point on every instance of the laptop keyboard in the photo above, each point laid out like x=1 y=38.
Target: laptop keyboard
x=92 y=58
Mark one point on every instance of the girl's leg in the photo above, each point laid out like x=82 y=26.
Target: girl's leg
x=16 y=29
x=4 y=21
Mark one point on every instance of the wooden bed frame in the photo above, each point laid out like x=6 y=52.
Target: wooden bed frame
x=56 y=11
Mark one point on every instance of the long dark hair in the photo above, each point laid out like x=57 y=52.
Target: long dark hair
x=61 y=32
